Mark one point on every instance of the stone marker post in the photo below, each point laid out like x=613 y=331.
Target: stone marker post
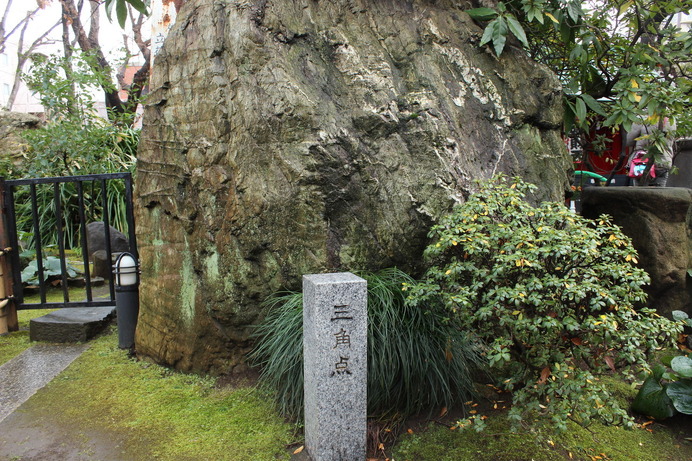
x=335 y=349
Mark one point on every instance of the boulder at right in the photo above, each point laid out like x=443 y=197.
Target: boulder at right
x=659 y=222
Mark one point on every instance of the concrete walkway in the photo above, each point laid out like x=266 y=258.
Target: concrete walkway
x=25 y=374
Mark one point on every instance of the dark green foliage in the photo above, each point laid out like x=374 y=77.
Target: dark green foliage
x=51 y=268
x=552 y=294
x=417 y=358
x=69 y=204
x=668 y=389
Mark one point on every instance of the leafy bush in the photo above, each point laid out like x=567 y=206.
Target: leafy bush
x=552 y=294
x=52 y=268
x=668 y=390
x=75 y=140
x=417 y=359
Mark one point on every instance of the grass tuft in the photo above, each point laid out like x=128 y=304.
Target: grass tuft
x=417 y=358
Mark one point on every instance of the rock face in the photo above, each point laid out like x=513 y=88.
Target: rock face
x=96 y=238
x=292 y=137
x=12 y=124
x=659 y=222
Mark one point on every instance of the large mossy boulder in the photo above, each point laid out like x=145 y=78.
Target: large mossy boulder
x=659 y=222
x=291 y=137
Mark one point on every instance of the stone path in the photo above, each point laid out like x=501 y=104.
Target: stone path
x=25 y=374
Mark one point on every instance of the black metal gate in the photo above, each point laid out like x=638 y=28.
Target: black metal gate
x=68 y=204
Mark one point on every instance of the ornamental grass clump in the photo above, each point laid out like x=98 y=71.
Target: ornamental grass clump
x=555 y=297
x=418 y=359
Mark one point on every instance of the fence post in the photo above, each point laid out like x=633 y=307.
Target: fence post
x=8 y=309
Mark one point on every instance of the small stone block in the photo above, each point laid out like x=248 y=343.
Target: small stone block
x=335 y=346
x=71 y=324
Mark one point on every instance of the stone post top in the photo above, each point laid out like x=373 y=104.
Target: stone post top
x=335 y=277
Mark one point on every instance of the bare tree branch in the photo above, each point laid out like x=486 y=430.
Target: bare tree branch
x=113 y=100
x=3 y=23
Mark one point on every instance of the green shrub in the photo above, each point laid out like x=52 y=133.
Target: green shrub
x=553 y=296
x=417 y=359
x=73 y=141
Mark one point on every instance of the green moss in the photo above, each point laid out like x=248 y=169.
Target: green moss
x=498 y=443
x=619 y=444
x=13 y=344
x=16 y=342
x=159 y=414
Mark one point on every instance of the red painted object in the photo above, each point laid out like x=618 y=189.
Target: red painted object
x=603 y=164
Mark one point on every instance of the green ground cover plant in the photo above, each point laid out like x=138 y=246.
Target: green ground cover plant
x=668 y=389
x=161 y=414
x=418 y=359
x=498 y=442
x=14 y=343
x=554 y=296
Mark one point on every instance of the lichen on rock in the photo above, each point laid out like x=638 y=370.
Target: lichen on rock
x=292 y=137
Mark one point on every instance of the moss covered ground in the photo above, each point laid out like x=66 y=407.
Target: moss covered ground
x=155 y=413
x=669 y=440
x=12 y=344
x=498 y=443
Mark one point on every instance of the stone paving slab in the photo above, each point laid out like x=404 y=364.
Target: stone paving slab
x=71 y=324
x=28 y=372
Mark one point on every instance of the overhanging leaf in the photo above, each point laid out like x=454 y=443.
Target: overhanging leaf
x=581 y=109
x=109 y=8
x=499 y=34
x=593 y=104
x=517 y=30
x=680 y=393
x=121 y=11
x=138 y=5
x=653 y=401
x=482 y=14
x=682 y=365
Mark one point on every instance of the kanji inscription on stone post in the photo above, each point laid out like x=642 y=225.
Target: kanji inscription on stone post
x=335 y=345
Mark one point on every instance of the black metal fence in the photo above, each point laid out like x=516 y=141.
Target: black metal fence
x=89 y=200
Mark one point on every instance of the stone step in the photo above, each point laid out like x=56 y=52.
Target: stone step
x=71 y=324
x=22 y=376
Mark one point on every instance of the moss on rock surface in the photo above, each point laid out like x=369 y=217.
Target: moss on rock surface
x=286 y=138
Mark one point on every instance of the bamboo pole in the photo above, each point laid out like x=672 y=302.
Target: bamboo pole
x=8 y=309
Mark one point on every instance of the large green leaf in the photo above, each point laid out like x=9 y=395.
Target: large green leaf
x=682 y=365
x=496 y=32
x=517 y=30
x=653 y=401
x=482 y=14
x=138 y=5
x=681 y=315
x=593 y=104
x=680 y=393
x=500 y=31
x=581 y=110
x=121 y=11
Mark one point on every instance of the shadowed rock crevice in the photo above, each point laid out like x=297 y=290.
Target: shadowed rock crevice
x=286 y=138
